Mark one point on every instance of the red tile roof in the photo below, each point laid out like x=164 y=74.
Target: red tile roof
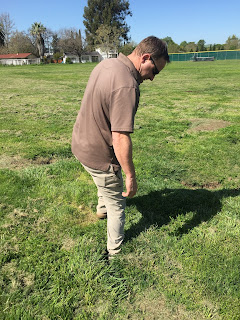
x=15 y=56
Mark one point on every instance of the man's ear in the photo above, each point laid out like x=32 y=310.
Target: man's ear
x=145 y=57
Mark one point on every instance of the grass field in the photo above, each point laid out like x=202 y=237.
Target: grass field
x=181 y=255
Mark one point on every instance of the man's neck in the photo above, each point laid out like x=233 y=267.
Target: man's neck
x=135 y=60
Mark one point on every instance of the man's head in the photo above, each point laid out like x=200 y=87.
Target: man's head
x=156 y=47
x=150 y=57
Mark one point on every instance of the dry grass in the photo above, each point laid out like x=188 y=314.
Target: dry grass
x=152 y=305
x=207 y=125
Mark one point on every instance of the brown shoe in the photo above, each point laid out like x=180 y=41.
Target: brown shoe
x=101 y=215
x=107 y=256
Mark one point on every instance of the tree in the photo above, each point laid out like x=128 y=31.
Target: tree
x=7 y=26
x=57 y=55
x=219 y=46
x=232 y=43
x=107 y=38
x=71 y=41
x=38 y=30
x=2 y=36
x=191 y=47
x=47 y=37
x=54 y=44
x=110 y=13
x=128 y=48
x=20 y=42
x=172 y=46
x=182 y=46
x=201 y=45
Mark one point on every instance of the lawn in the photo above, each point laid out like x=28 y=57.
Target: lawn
x=181 y=255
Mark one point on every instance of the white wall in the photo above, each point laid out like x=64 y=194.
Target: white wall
x=75 y=59
x=19 y=62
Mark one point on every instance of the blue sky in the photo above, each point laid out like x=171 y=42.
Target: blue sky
x=187 y=20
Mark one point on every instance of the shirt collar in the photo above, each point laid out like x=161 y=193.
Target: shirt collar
x=124 y=59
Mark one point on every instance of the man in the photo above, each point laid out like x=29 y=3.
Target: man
x=101 y=134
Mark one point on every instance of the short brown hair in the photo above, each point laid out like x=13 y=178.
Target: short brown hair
x=154 y=46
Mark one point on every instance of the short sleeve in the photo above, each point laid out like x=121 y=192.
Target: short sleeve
x=123 y=107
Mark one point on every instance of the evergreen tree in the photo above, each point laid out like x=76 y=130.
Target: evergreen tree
x=110 y=13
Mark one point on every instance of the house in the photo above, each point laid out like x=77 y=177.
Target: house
x=74 y=58
x=94 y=56
x=85 y=57
x=112 y=53
x=18 y=59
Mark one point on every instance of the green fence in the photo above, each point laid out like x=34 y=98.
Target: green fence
x=218 y=55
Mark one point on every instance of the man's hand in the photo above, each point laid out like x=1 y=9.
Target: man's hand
x=131 y=186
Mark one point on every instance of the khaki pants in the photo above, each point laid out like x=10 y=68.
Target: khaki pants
x=110 y=200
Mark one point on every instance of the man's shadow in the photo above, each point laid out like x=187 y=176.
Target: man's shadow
x=159 y=207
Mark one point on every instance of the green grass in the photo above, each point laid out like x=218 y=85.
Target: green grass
x=181 y=256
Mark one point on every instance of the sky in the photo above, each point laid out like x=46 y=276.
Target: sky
x=187 y=20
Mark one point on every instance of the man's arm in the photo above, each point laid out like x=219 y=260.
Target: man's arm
x=122 y=145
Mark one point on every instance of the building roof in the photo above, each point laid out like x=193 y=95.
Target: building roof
x=15 y=56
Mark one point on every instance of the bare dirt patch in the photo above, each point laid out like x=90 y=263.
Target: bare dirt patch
x=68 y=243
x=17 y=278
x=42 y=161
x=16 y=162
x=207 y=125
x=7 y=162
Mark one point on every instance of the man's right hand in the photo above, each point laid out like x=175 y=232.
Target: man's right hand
x=131 y=186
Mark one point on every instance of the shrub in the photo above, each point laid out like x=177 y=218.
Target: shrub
x=69 y=61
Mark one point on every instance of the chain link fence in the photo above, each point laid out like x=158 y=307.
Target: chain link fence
x=217 y=55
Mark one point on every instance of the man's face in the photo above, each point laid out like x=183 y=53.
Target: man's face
x=149 y=67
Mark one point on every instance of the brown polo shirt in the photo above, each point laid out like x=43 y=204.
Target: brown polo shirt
x=109 y=104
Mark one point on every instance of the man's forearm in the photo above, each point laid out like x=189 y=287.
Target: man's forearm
x=122 y=145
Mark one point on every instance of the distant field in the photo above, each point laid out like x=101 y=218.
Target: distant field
x=181 y=255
